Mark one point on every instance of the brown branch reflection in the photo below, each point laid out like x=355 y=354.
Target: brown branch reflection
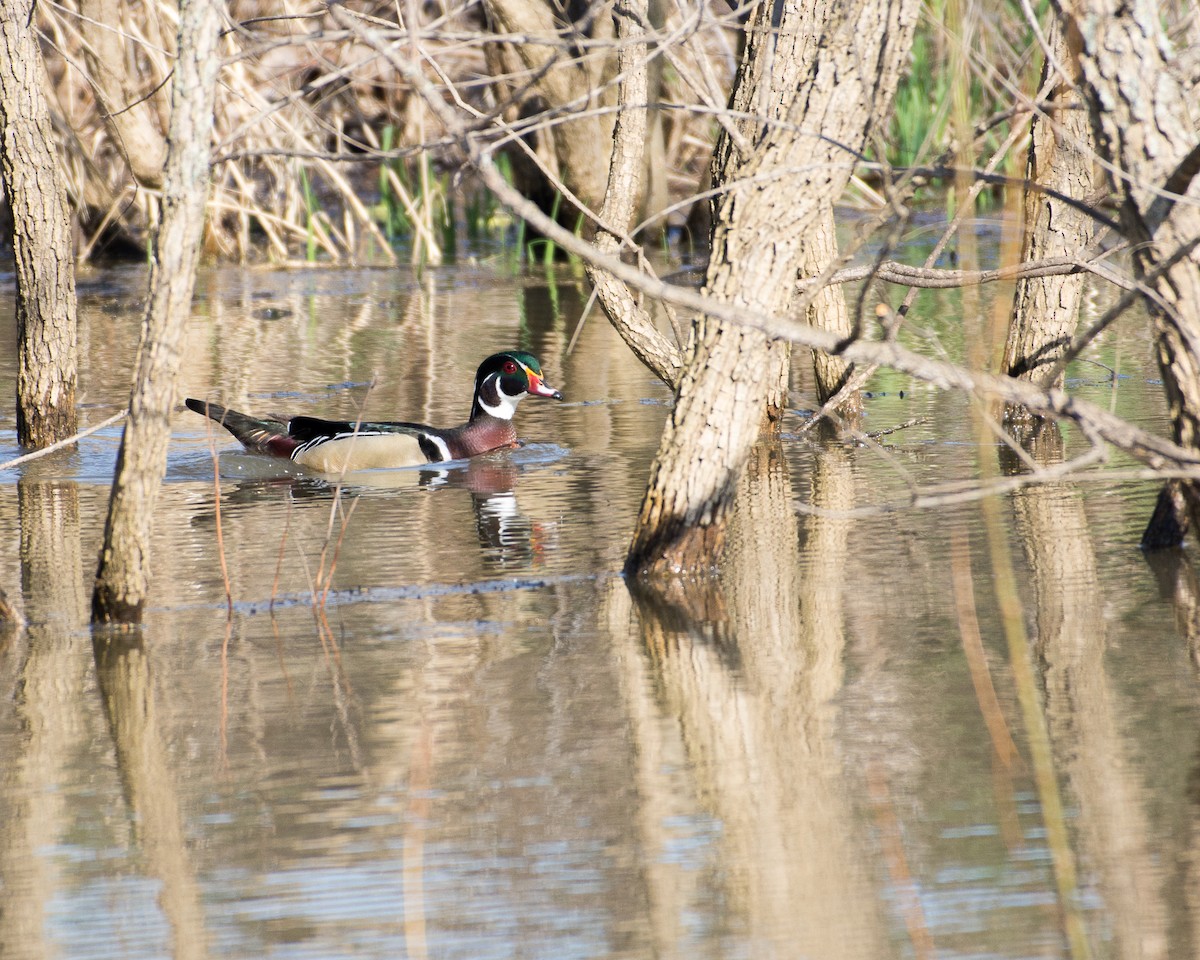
x=748 y=669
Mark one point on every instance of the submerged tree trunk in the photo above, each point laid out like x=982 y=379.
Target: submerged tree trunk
x=761 y=223
x=37 y=197
x=1046 y=309
x=122 y=577
x=1141 y=114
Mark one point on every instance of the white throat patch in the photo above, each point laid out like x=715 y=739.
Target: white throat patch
x=505 y=406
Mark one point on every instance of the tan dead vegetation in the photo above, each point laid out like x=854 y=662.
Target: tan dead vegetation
x=310 y=122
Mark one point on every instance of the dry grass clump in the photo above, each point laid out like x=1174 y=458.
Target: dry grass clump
x=296 y=102
x=321 y=152
x=324 y=153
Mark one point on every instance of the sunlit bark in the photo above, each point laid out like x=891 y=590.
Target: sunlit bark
x=778 y=52
x=45 y=272
x=1141 y=115
x=123 y=573
x=760 y=226
x=622 y=194
x=1046 y=309
x=829 y=311
x=781 y=45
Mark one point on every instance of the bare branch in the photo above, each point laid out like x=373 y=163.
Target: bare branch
x=1152 y=450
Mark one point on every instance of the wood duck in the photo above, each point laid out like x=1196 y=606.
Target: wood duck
x=334 y=446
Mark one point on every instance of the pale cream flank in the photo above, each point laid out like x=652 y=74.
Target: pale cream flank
x=364 y=453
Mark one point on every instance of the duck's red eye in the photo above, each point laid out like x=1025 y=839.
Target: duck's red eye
x=510 y=367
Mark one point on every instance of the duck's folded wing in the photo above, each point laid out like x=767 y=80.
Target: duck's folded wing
x=334 y=446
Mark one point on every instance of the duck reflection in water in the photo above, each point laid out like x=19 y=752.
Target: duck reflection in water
x=511 y=540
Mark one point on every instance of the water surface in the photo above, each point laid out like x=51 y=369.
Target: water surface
x=437 y=722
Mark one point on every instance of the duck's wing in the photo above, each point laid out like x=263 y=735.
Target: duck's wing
x=334 y=446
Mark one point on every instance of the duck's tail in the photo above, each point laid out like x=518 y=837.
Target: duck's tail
x=258 y=434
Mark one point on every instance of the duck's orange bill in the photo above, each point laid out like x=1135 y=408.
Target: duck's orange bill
x=539 y=389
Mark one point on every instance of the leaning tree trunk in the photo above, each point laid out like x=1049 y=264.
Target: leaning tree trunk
x=123 y=574
x=1046 y=309
x=625 y=187
x=128 y=104
x=760 y=226
x=37 y=197
x=1142 y=118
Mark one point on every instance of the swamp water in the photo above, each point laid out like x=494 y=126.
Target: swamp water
x=480 y=745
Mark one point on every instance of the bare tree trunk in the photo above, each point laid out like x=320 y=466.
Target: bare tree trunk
x=578 y=85
x=130 y=117
x=781 y=44
x=121 y=580
x=761 y=223
x=829 y=311
x=626 y=184
x=1141 y=115
x=1046 y=309
x=37 y=197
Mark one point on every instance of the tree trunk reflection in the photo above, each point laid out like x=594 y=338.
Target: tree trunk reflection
x=747 y=671
x=1082 y=710
x=123 y=673
x=50 y=671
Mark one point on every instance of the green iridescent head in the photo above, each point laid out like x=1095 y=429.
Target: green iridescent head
x=504 y=379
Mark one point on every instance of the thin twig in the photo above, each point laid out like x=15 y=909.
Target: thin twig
x=37 y=454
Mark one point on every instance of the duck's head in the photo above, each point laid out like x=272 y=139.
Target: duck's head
x=505 y=379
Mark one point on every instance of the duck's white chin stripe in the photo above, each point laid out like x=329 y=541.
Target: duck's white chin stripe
x=505 y=407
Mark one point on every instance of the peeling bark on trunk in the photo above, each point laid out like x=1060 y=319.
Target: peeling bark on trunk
x=123 y=573
x=761 y=223
x=1046 y=309
x=37 y=198
x=1141 y=117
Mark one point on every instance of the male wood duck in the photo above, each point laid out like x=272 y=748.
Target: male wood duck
x=333 y=446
